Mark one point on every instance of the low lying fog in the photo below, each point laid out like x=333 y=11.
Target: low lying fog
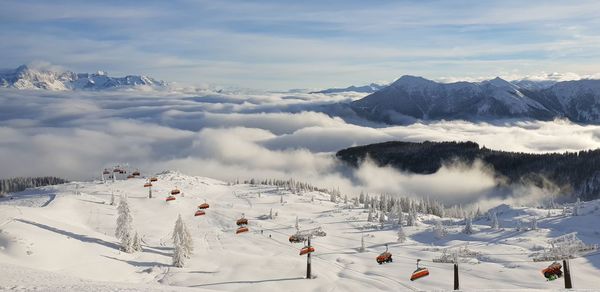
x=228 y=136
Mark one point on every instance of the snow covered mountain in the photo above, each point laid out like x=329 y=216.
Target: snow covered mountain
x=373 y=87
x=413 y=98
x=62 y=238
x=25 y=77
x=533 y=84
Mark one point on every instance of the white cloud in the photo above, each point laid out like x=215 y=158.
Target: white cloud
x=76 y=134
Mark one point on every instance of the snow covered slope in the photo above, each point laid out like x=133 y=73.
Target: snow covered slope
x=53 y=239
x=25 y=77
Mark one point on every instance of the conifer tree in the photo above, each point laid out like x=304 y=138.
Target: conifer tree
x=439 y=230
x=401 y=235
x=400 y=214
x=534 y=223
x=124 y=230
x=468 y=225
x=178 y=256
x=182 y=239
x=112 y=198
x=577 y=207
x=495 y=224
x=137 y=245
x=362 y=243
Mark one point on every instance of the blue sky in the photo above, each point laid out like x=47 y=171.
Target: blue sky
x=304 y=44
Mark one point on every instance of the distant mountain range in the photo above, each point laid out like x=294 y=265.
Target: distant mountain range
x=411 y=98
x=25 y=77
x=373 y=87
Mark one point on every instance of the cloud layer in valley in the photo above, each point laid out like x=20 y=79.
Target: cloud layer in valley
x=230 y=136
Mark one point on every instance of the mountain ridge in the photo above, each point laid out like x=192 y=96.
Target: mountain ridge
x=412 y=98
x=370 y=88
x=26 y=77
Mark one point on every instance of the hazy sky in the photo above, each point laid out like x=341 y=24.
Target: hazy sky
x=303 y=44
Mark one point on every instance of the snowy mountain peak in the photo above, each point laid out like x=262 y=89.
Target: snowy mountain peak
x=21 y=69
x=26 y=77
x=499 y=82
x=413 y=81
x=413 y=97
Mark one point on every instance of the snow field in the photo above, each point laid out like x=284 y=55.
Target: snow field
x=71 y=239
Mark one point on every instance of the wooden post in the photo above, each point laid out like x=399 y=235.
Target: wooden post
x=150 y=192
x=456 y=285
x=308 y=276
x=568 y=283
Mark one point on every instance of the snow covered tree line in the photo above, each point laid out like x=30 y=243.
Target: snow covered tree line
x=130 y=241
x=18 y=184
x=182 y=243
x=291 y=185
x=390 y=203
x=384 y=202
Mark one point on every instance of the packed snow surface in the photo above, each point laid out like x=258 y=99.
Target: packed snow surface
x=61 y=238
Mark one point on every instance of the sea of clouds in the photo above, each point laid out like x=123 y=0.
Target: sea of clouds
x=236 y=135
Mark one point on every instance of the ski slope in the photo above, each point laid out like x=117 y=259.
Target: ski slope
x=54 y=239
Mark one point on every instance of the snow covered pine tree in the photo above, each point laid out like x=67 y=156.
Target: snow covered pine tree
x=124 y=230
x=182 y=242
x=468 y=225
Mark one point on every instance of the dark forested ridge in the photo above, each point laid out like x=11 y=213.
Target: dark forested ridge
x=577 y=174
x=21 y=183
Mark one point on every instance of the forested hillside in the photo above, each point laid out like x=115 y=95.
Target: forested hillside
x=577 y=174
x=21 y=183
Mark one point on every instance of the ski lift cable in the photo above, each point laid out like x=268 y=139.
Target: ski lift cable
x=342 y=248
x=362 y=273
x=422 y=248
